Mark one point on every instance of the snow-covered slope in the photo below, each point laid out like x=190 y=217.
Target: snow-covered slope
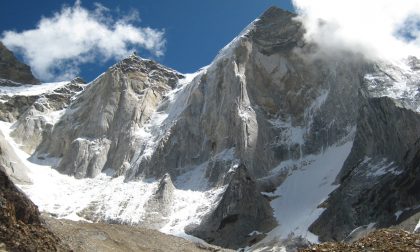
x=30 y=90
x=107 y=198
x=295 y=216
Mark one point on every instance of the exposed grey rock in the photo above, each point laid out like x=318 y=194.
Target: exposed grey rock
x=37 y=114
x=14 y=106
x=11 y=70
x=159 y=206
x=261 y=98
x=85 y=158
x=410 y=220
x=240 y=211
x=164 y=192
x=11 y=164
x=360 y=232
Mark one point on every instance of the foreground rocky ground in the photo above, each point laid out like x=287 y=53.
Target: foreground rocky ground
x=392 y=240
x=21 y=227
x=81 y=236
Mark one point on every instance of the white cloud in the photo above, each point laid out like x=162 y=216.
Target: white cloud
x=75 y=35
x=378 y=29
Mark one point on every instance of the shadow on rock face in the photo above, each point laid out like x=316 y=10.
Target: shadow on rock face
x=241 y=211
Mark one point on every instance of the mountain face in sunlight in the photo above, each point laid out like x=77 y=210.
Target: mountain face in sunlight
x=274 y=145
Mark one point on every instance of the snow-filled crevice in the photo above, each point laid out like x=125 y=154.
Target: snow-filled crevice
x=309 y=182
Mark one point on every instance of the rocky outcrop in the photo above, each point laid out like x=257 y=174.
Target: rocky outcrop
x=13 y=107
x=159 y=206
x=21 y=228
x=12 y=71
x=381 y=240
x=241 y=212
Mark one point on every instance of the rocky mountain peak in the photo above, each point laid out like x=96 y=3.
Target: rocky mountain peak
x=153 y=70
x=277 y=27
x=276 y=12
x=123 y=99
x=78 y=80
x=13 y=70
x=414 y=63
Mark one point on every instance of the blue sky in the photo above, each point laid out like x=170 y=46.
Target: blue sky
x=194 y=30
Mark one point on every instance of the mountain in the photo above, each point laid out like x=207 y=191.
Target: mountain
x=274 y=145
x=12 y=70
x=123 y=100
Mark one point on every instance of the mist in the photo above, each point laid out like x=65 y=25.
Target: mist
x=377 y=29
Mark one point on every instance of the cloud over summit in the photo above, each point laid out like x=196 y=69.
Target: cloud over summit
x=75 y=35
x=378 y=29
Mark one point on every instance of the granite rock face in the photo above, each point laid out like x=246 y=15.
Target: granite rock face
x=12 y=71
x=260 y=99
